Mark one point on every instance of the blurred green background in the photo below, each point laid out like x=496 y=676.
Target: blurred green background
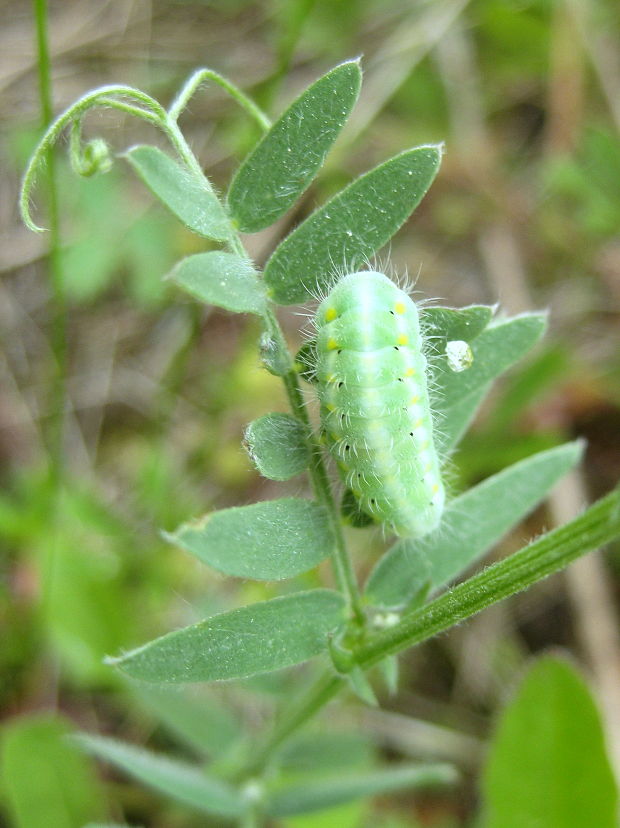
x=525 y=213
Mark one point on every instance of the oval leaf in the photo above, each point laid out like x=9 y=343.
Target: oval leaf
x=222 y=279
x=351 y=226
x=547 y=763
x=319 y=794
x=181 y=781
x=288 y=157
x=185 y=193
x=244 y=642
x=277 y=446
x=457 y=395
x=471 y=524
x=440 y=325
x=266 y=541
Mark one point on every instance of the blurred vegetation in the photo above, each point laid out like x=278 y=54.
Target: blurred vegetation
x=526 y=95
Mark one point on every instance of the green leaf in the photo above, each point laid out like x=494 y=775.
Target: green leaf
x=181 y=781
x=326 y=750
x=222 y=279
x=203 y=723
x=317 y=794
x=277 y=446
x=440 y=325
x=351 y=226
x=288 y=157
x=471 y=524
x=243 y=642
x=547 y=764
x=45 y=780
x=598 y=525
x=270 y=540
x=361 y=687
x=189 y=196
x=457 y=395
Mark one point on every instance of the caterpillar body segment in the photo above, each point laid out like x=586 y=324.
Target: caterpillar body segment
x=375 y=410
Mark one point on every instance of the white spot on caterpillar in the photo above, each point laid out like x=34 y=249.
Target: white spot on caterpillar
x=460 y=355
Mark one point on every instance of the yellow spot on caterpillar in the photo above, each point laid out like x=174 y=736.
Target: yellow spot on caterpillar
x=335 y=437
x=330 y=406
x=428 y=467
x=403 y=339
x=418 y=423
x=332 y=345
x=356 y=492
x=399 y=307
x=414 y=400
x=425 y=445
x=435 y=488
x=410 y=372
x=330 y=314
x=331 y=378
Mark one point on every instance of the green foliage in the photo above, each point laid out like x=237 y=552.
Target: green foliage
x=277 y=445
x=352 y=226
x=222 y=279
x=205 y=725
x=181 y=781
x=283 y=164
x=337 y=789
x=471 y=524
x=495 y=349
x=287 y=537
x=187 y=195
x=266 y=541
x=45 y=780
x=441 y=325
x=547 y=763
x=244 y=642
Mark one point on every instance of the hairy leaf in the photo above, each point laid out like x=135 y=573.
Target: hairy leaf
x=186 y=783
x=186 y=194
x=288 y=157
x=222 y=279
x=440 y=325
x=458 y=395
x=471 y=524
x=244 y=642
x=350 y=227
x=277 y=445
x=270 y=540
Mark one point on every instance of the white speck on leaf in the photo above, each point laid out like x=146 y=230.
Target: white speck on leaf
x=459 y=354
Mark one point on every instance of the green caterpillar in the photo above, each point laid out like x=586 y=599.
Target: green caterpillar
x=374 y=398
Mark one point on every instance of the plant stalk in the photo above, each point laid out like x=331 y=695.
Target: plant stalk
x=555 y=550
x=58 y=310
x=597 y=526
x=343 y=567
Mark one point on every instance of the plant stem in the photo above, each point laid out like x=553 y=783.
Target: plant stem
x=594 y=528
x=343 y=567
x=597 y=526
x=201 y=75
x=58 y=311
x=321 y=692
